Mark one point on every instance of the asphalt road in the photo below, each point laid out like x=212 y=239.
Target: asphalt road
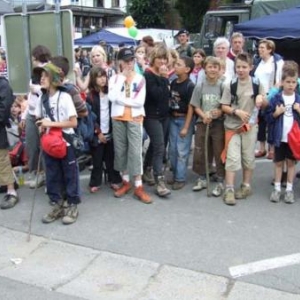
x=186 y=230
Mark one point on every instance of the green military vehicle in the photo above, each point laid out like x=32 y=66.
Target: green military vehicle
x=220 y=22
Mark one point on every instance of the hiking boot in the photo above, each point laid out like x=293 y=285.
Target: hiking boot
x=200 y=185
x=243 y=192
x=140 y=193
x=148 y=176
x=37 y=182
x=178 y=185
x=229 y=197
x=71 y=215
x=218 y=190
x=171 y=181
x=275 y=196
x=56 y=213
x=161 y=189
x=9 y=201
x=124 y=189
x=289 y=197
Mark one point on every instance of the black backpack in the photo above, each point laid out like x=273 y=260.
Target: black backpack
x=234 y=85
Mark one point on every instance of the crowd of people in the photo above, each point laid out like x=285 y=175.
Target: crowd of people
x=226 y=102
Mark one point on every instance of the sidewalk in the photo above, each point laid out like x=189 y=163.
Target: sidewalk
x=57 y=270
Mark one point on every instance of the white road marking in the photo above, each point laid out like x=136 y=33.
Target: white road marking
x=264 y=265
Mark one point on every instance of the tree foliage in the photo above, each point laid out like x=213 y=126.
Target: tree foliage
x=192 y=12
x=148 y=13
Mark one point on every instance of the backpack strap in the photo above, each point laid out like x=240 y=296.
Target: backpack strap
x=255 y=87
x=139 y=87
x=46 y=105
x=233 y=90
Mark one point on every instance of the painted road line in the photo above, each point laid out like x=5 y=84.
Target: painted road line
x=264 y=265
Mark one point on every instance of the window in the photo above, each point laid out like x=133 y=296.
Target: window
x=115 y=3
x=98 y=3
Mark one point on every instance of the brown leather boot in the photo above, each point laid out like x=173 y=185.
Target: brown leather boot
x=140 y=193
x=124 y=189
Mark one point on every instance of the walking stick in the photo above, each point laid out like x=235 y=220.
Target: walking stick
x=206 y=161
x=34 y=195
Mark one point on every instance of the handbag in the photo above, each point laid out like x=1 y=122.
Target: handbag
x=294 y=140
x=52 y=141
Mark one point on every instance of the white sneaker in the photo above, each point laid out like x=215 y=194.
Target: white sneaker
x=37 y=182
x=275 y=196
x=218 y=190
x=289 y=197
x=200 y=185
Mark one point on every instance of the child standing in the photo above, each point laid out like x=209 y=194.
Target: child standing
x=127 y=92
x=197 y=75
x=205 y=103
x=281 y=112
x=56 y=110
x=180 y=141
x=240 y=134
x=103 y=151
x=16 y=137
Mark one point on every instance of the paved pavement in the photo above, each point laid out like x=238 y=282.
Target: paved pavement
x=183 y=247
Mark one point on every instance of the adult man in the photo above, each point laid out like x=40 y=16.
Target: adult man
x=184 y=49
x=237 y=43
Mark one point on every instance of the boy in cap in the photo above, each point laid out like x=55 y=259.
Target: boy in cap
x=184 y=49
x=127 y=93
x=55 y=108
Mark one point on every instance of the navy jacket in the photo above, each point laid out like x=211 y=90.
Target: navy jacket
x=276 y=124
x=93 y=99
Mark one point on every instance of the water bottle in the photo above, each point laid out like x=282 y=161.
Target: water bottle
x=21 y=177
x=254 y=115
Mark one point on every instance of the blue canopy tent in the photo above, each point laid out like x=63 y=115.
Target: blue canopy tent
x=282 y=25
x=104 y=35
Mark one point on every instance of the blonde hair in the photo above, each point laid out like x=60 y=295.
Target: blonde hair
x=100 y=49
x=269 y=44
x=174 y=54
x=159 y=51
x=214 y=61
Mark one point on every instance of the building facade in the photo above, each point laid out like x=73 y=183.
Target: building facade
x=88 y=15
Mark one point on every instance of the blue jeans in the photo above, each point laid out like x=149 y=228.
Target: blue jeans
x=179 y=148
x=63 y=174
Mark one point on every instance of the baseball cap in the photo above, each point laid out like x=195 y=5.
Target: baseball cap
x=125 y=54
x=181 y=31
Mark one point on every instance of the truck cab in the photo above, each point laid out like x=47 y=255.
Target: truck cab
x=217 y=23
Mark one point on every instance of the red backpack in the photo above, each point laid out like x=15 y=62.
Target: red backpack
x=294 y=140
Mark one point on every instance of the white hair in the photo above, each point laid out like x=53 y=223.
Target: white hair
x=221 y=40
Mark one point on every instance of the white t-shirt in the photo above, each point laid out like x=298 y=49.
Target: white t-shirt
x=61 y=112
x=265 y=72
x=288 y=118
x=104 y=114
